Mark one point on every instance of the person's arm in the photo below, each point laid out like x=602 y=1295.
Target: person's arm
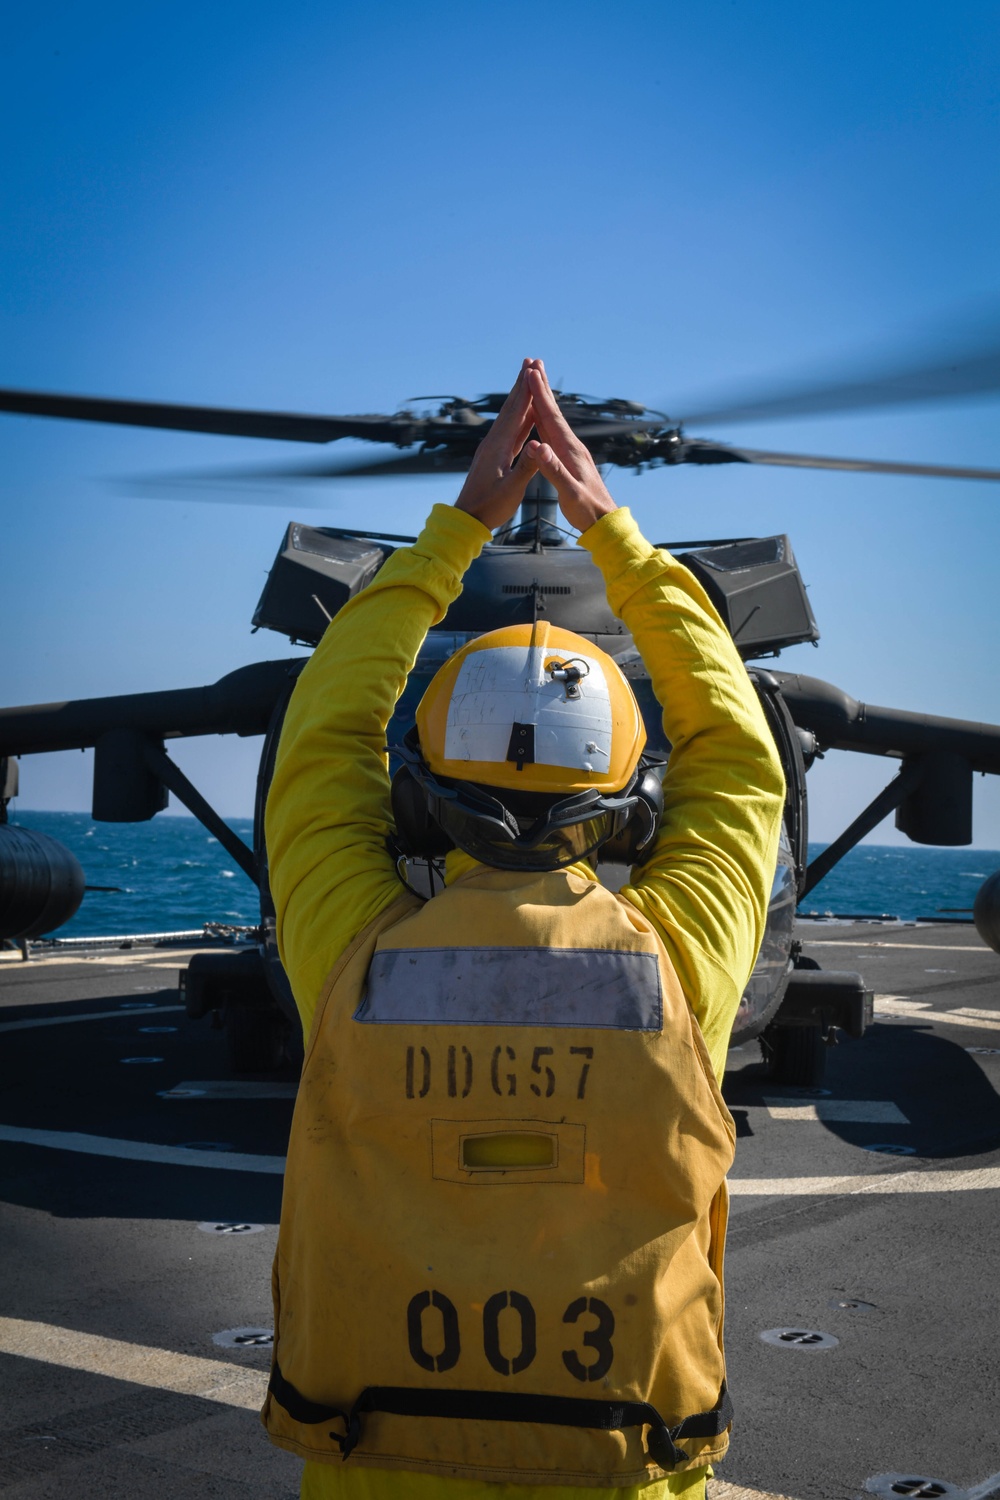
x=707 y=880
x=706 y=883
x=328 y=810
x=328 y=807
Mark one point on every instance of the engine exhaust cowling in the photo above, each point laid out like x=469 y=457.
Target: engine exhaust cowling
x=986 y=911
x=41 y=883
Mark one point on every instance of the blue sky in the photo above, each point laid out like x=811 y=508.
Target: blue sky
x=320 y=208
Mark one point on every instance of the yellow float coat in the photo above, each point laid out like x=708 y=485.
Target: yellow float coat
x=467 y=1206
x=700 y=898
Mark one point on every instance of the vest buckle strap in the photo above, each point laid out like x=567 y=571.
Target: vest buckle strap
x=351 y=1437
x=501 y=1406
x=301 y=1409
x=661 y=1446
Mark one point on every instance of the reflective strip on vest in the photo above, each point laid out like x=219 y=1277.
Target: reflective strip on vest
x=515 y=987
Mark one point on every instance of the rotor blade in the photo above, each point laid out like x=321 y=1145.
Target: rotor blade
x=223 y=420
x=447 y=461
x=860 y=465
x=971 y=371
x=268 y=479
x=613 y=428
x=421 y=462
x=187 y=492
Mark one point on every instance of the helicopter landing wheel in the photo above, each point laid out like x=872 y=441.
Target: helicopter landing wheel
x=256 y=1037
x=795 y=1054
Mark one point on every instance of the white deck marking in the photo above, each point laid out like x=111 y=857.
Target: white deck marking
x=986 y=1489
x=849 y=1111
x=719 y=1490
x=94 y=1015
x=173 y=1156
x=921 y=947
x=922 y=1010
x=157 y=1369
x=959 y=1018
x=129 y=958
x=231 y=1088
x=964 y=1180
x=214 y=1379
x=976 y=1179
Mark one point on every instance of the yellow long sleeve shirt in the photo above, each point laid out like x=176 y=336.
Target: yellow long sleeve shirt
x=705 y=886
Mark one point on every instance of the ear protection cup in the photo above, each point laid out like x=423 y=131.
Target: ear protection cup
x=630 y=843
x=417 y=834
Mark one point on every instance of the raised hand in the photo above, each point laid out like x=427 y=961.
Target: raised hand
x=562 y=458
x=500 y=470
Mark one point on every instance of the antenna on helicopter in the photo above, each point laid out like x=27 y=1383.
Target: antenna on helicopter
x=538 y=519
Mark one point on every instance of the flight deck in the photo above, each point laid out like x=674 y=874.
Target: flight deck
x=140 y=1187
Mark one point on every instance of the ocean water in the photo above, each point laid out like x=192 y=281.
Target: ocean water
x=909 y=881
x=172 y=875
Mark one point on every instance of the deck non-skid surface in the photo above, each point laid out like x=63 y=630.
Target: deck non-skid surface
x=123 y=1140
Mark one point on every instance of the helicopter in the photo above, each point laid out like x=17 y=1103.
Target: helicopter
x=528 y=570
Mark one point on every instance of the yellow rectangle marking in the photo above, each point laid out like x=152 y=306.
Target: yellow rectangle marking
x=471 y=1151
x=509 y=1152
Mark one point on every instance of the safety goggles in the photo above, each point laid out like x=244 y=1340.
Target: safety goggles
x=481 y=825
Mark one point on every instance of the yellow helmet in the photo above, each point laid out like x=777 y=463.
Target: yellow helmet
x=532 y=708
x=527 y=755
